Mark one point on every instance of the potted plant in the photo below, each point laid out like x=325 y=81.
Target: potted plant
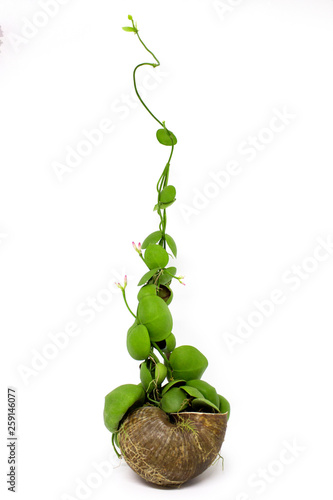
x=170 y=427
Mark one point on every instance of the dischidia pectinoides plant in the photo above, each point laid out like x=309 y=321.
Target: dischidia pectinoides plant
x=170 y=427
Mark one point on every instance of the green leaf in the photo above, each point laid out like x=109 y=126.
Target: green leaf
x=192 y=391
x=166 y=205
x=147 y=290
x=171 y=271
x=187 y=362
x=202 y=404
x=155 y=315
x=174 y=400
x=146 y=377
x=162 y=206
x=224 y=405
x=164 y=279
x=130 y=29
x=163 y=136
x=160 y=373
x=156 y=257
x=207 y=390
x=173 y=383
x=170 y=343
x=171 y=243
x=152 y=238
x=147 y=276
x=168 y=194
x=138 y=342
x=119 y=401
x=166 y=276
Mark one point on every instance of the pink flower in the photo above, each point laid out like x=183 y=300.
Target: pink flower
x=137 y=248
x=121 y=286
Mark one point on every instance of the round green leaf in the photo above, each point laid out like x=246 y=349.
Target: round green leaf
x=207 y=390
x=170 y=342
x=174 y=400
x=160 y=373
x=187 y=362
x=192 y=391
x=134 y=324
x=138 y=342
x=224 y=405
x=171 y=271
x=147 y=290
x=145 y=377
x=119 y=401
x=174 y=383
x=151 y=239
x=202 y=404
x=156 y=257
x=155 y=315
x=163 y=137
x=166 y=275
x=168 y=194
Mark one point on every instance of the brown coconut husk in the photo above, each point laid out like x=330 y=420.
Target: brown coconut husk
x=169 y=449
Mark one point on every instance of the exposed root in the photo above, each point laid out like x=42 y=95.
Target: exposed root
x=217 y=459
x=186 y=425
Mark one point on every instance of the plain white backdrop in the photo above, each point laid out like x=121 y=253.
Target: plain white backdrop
x=247 y=88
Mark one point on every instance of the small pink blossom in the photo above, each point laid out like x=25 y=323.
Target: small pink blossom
x=122 y=287
x=137 y=248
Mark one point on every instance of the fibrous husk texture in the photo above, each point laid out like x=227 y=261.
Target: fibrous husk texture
x=169 y=449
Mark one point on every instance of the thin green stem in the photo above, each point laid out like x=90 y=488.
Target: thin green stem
x=154 y=357
x=162 y=354
x=169 y=160
x=142 y=257
x=128 y=307
x=137 y=93
x=145 y=46
x=114 y=445
x=145 y=64
x=162 y=183
x=164 y=228
x=156 y=403
x=172 y=275
x=163 y=180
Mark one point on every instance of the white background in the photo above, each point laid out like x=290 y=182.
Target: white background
x=225 y=69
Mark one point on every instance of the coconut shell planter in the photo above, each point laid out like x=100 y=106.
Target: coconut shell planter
x=170 y=427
